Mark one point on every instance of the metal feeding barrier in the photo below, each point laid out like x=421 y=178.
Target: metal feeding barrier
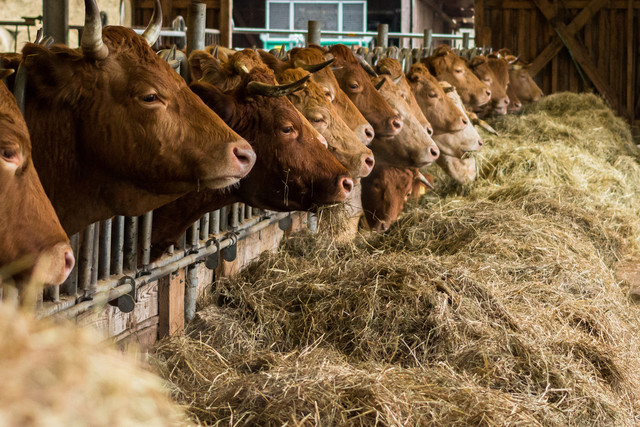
x=114 y=256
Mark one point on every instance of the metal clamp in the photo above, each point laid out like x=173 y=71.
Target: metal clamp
x=285 y=223
x=231 y=252
x=126 y=303
x=213 y=260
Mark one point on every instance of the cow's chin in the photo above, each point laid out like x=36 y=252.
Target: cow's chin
x=224 y=183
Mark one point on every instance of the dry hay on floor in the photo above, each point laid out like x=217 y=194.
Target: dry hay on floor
x=494 y=304
x=57 y=374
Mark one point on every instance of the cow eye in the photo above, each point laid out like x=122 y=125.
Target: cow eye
x=8 y=153
x=487 y=80
x=287 y=129
x=458 y=70
x=433 y=94
x=152 y=97
x=353 y=85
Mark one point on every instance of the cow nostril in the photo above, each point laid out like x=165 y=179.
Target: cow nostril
x=368 y=132
x=346 y=184
x=435 y=151
x=369 y=161
x=488 y=93
x=506 y=101
x=465 y=121
x=245 y=156
x=396 y=123
x=69 y=261
x=430 y=130
x=479 y=143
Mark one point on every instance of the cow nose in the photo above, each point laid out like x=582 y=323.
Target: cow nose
x=465 y=121
x=434 y=151
x=396 y=124
x=245 y=156
x=488 y=92
x=506 y=101
x=429 y=130
x=367 y=165
x=69 y=262
x=346 y=185
x=517 y=105
x=368 y=134
x=479 y=143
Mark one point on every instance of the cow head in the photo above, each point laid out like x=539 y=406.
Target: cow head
x=325 y=118
x=128 y=131
x=493 y=70
x=226 y=75
x=355 y=82
x=385 y=193
x=463 y=171
x=413 y=146
x=522 y=84
x=295 y=170
x=446 y=65
x=309 y=57
x=450 y=124
x=29 y=226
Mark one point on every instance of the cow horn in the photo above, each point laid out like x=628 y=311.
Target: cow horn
x=312 y=68
x=423 y=179
x=513 y=61
x=380 y=83
x=6 y=72
x=152 y=32
x=91 y=42
x=38 y=35
x=19 y=88
x=366 y=66
x=282 y=53
x=275 y=91
x=397 y=80
x=215 y=52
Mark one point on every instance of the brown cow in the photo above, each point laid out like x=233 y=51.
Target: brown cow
x=308 y=57
x=324 y=117
x=385 y=192
x=521 y=84
x=493 y=70
x=29 y=226
x=448 y=122
x=117 y=132
x=413 y=146
x=447 y=66
x=294 y=170
x=514 y=105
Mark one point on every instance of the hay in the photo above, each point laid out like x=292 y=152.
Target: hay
x=56 y=374
x=489 y=304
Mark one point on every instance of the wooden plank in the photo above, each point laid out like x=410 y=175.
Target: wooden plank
x=630 y=58
x=171 y=303
x=522 y=15
x=226 y=26
x=478 y=22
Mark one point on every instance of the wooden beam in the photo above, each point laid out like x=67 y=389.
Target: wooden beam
x=436 y=7
x=226 y=27
x=630 y=59
x=171 y=304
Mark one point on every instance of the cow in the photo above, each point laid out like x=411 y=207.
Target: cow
x=413 y=145
x=294 y=169
x=29 y=227
x=324 y=117
x=308 y=59
x=514 y=105
x=523 y=85
x=116 y=131
x=447 y=66
x=493 y=70
x=385 y=192
x=449 y=123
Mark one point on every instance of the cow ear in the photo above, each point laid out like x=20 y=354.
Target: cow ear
x=55 y=71
x=201 y=64
x=277 y=65
x=222 y=104
x=477 y=60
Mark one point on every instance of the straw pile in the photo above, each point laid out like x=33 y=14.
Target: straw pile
x=492 y=304
x=57 y=374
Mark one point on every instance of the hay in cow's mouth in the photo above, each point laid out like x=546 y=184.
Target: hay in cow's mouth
x=494 y=303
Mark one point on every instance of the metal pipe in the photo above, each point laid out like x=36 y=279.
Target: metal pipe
x=94 y=261
x=312 y=221
x=327 y=33
x=314 y=32
x=241 y=215
x=428 y=39
x=86 y=256
x=465 y=40
x=248 y=212
x=235 y=210
x=117 y=245
x=104 y=269
x=70 y=286
x=191 y=292
x=215 y=222
x=131 y=243
x=224 y=219
x=109 y=290
x=196 y=23
x=147 y=222
x=195 y=235
x=383 y=35
x=55 y=19
x=204 y=227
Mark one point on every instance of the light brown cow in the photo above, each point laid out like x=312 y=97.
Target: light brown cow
x=117 y=132
x=309 y=57
x=324 y=117
x=449 y=123
x=493 y=70
x=294 y=170
x=447 y=66
x=29 y=226
x=413 y=146
x=521 y=84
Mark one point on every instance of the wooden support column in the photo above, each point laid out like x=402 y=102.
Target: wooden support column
x=630 y=59
x=55 y=20
x=171 y=303
x=226 y=28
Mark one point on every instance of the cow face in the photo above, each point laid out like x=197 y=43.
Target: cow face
x=447 y=66
x=385 y=193
x=295 y=170
x=494 y=72
x=131 y=133
x=355 y=82
x=463 y=171
x=29 y=226
x=522 y=85
x=413 y=146
x=326 y=80
x=324 y=117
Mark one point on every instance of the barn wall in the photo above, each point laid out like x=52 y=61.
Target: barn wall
x=172 y=8
x=609 y=38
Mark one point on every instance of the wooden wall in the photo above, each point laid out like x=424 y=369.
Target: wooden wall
x=602 y=36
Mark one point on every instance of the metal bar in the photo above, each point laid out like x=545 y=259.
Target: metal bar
x=86 y=256
x=314 y=32
x=147 y=222
x=104 y=270
x=195 y=235
x=465 y=40
x=109 y=290
x=70 y=286
x=327 y=33
x=215 y=222
x=196 y=23
x=235 y=210
x=117 y=245
x=383 y=35
x=224 y=219
x=248 y=212
x=94 y=261
x=191 y=292
x=428 y=39
x=131 y=243
x=312 y=221
x=241 y=215
x=55 y=19
x=204 y=227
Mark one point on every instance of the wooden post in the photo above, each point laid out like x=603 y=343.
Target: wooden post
x=383 y=35
x=314 y=33
x=171 y=303
x=55 y=19
x=226 y=16
x=630 y=60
